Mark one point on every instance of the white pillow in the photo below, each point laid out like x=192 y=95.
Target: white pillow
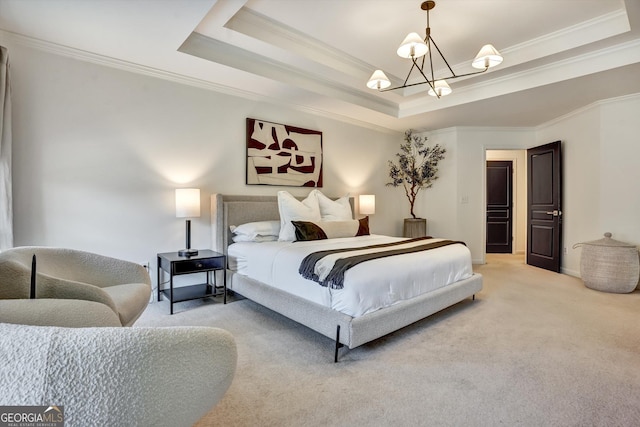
x=291 y=209
x=259 y=231
x=263 y=228
x=257 y=239
x=334 y=210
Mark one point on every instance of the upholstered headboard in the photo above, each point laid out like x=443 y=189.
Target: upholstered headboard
x=229 y=210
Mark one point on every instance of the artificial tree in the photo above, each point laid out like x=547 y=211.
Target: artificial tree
x=416 y=167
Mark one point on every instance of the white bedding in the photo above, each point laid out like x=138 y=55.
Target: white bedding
x=368 y=287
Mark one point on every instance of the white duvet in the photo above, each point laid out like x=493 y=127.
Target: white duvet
x=368 y=286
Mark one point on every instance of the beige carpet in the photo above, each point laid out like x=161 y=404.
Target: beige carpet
x=535 y=349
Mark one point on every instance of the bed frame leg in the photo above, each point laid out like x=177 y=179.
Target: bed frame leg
x=338 y=345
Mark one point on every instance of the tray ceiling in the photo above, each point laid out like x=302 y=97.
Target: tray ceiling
x=559 y=55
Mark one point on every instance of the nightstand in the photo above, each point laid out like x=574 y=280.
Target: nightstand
x=205 y=262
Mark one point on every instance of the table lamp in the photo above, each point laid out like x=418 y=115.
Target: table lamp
x=367 y=204
x=188 y=206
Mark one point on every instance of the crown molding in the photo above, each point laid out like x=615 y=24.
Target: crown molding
x=220 y=52
x=583 y=33
x=261 y=27
x=93 y=58
x=131 y=67
x=587 y=108
x=496 y=129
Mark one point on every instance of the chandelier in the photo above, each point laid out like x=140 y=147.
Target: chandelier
x=414 y=47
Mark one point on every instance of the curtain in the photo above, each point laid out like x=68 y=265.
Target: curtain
x=6 y=199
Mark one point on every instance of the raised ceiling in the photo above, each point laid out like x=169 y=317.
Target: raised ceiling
x=316 y=55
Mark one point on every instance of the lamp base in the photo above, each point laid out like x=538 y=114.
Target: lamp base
x=188 y=252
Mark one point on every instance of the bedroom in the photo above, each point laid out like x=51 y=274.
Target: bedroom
x=100 y=140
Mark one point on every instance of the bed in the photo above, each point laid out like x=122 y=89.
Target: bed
x=345 y=329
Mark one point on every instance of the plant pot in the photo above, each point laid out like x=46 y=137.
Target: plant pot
x=415 y=227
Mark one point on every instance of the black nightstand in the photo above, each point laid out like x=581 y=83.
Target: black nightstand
x=205 y=262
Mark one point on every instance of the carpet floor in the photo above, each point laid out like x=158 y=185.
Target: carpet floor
x=535 y=348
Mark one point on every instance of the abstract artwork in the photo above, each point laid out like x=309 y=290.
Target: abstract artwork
x=283 y=155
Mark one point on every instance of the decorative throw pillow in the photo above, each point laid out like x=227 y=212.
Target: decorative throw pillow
x=334 y=210
x=320 y=230
x=291 y=209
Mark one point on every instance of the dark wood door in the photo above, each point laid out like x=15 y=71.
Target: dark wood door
x=544 y=211
x=499 y=206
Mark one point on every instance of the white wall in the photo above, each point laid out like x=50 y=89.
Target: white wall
x=438 y=203
x=459 y=206
x=601 y=174
x=581 y=173
x=98 y=153
x=600 y=177
x=620 y=169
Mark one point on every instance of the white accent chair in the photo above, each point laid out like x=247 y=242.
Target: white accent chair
x=65 y=276
x=117 y=376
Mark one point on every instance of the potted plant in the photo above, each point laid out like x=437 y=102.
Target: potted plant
x=416 y=168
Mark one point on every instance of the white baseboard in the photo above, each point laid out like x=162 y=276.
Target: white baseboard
x=570 y=272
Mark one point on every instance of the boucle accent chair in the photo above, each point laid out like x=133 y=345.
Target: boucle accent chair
x=122 y=286
x=71 y=313
x=117 y=376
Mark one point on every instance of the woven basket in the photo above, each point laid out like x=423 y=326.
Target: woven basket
x=609 y=265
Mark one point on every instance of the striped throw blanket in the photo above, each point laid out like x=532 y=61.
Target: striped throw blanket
x=329 y=267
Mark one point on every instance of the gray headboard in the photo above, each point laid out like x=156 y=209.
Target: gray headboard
x=229 y=210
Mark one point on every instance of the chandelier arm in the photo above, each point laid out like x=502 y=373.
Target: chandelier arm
x=404 y=86
x=455 y=76
x=409 y=75
x=442 y=56
x=431 y=84
x=429 y=40
x=427 y=81
x=425 y=77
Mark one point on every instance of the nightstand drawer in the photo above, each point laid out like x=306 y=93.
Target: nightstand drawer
x=196 y=265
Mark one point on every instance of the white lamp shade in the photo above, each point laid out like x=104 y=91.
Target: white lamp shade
x=367 y=204
x=187 y=202
x=487 y=57
x=378 y=80
x=440 y=88
x=412 y=46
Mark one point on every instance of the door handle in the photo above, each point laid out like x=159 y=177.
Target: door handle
x=555 y=212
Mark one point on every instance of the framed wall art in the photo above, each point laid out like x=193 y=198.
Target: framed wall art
x=283 y=155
